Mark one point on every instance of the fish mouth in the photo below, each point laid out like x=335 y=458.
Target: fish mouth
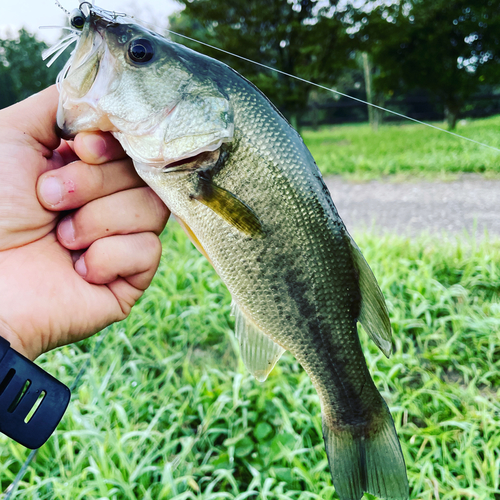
x=78 y=93
x=91 y=77
x=88 y=78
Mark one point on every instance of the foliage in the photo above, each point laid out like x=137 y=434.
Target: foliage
x=291 y=36
x=22 y=71
x=405 y=150
x=448 y=48
x=166 y=411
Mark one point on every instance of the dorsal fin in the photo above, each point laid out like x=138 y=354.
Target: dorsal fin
x=259 y=353
x=373 y=315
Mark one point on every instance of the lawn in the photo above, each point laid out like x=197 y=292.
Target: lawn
x=166 y=410
x=406 y=149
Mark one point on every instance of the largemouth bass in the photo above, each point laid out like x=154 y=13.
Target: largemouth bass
x=243 y=185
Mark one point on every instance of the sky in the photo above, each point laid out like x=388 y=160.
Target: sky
x=34 y=13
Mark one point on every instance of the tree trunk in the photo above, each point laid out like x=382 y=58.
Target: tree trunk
x=378 y=115
x=451 y=115
x=373 y=115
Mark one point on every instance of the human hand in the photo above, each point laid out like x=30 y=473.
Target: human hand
x=65 y=276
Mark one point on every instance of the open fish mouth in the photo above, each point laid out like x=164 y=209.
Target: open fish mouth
x=96 y=17
x=89 y=68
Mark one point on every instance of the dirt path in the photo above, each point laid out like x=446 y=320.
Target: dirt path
x=471 y=204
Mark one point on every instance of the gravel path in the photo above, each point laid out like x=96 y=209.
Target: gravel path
x=469 y=205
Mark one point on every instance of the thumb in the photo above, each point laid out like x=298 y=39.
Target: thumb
x=36 y=116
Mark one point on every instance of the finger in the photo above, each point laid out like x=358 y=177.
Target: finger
x=133 y=211
x=63 y=155
x=67 y=152
x=36 y=116
x=98 y=147
x=78 y=183
x=126 y=263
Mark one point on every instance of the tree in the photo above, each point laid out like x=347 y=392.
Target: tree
x=295 y=36
x=447 y=47
x=22 y=71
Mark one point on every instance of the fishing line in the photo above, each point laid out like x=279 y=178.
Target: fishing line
x=67 y=12
x=13 y=486
x=303 y=80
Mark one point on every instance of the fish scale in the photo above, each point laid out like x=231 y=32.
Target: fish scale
x=249 y=281
x=247 y=191
x=252 y=268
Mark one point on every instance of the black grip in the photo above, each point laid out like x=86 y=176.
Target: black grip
x=25 y=387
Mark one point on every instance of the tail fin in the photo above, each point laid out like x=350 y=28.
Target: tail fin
x=372 y=462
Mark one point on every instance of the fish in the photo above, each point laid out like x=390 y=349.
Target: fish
x=245 y=188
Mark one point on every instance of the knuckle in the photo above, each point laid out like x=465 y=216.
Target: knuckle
x=90 y=220
x=148 y=252
x=98 y=258
x=153 y=244
x=98 y=261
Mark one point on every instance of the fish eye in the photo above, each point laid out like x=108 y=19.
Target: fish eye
x=141 y=50
x=77 y=19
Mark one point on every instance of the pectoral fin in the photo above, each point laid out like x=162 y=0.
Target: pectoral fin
x=258 y=351
x=194 y=240
x=229 y=207
x=373 y=315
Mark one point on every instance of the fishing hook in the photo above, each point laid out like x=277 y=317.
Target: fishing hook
x=90 y=6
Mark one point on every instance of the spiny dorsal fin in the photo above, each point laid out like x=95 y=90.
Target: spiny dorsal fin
x=373 y=315
x=229 y=207
x=258 y=351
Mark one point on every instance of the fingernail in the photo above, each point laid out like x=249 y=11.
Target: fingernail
x=66 y=230
x=75 y=255
x=80 y=267
x=96 y=145
x=51 y=191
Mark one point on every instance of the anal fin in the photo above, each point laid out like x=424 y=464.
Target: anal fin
x=259 y=353
x=373 y=315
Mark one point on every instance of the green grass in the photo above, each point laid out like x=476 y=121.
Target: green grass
x=167 y=411
x=408 y=149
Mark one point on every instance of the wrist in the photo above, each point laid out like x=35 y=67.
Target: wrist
x=15 y=340
x=32 y=402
